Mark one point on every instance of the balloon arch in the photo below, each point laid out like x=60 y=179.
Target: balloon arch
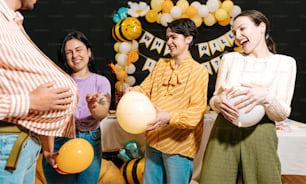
x=128 y=32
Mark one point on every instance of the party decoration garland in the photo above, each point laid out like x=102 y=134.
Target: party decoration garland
x=128 y=29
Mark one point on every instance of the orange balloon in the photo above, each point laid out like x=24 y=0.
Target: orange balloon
x=225 y=22
x=191 y=11
x=133 y=56
x=75 y=156
x=167 y=5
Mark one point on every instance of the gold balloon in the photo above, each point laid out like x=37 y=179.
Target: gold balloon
x=131 y=28
x=127 y=29
x=151 y=16
x=75 y=156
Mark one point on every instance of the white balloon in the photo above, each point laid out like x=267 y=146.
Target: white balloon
x=130 y=80
x=248 y=119
x=212 y=5
x=124 y=86
x=134 y=112
x=121 y=59
x=131 y=69
x=165 y=19
x=235 y=11
x=203 y=11
x=135 y=45
x=176 y=12
x=124 y=47
x=196 y=4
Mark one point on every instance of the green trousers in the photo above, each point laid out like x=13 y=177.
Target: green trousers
x=247 y=152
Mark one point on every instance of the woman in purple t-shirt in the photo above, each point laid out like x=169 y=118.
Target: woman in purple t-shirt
x=93 y=106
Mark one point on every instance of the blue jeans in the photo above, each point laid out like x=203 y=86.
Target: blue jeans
x=26 y=166
x=88 y=176
x=161 y=168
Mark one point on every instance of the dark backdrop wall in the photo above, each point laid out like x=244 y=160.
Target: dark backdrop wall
x=49 y=22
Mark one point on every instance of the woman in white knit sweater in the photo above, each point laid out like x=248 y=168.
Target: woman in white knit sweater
x=256 y=76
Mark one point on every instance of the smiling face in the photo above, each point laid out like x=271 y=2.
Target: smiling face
x=77 y=55
x=177 y=43
x=248 y=35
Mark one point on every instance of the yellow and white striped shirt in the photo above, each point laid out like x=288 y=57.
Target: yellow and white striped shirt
x=23 y=67
x=182 y=92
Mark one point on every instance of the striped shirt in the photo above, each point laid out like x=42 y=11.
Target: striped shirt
x=182 y=92
x=23 y=67
x=276 y=72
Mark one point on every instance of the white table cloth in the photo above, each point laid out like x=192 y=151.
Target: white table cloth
x=291 y=148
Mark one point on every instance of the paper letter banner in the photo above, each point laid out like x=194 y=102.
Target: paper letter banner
x=149 y=65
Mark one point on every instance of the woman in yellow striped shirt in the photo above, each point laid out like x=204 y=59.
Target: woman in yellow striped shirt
x=178 y=88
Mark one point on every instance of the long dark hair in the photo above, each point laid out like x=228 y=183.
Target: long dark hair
x=257 y=17
x=186 y=27
x=81 y=37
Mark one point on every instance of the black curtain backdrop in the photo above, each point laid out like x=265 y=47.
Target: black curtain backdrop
x=50 y=21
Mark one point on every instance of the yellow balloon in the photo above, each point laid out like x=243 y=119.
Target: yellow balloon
x=221 y=14
x=134 y=112
x=197 y=20
x=227 y=5
x=167 y=5
x=158 y=18
x=209 y=20
x=116 y=46
x=151 y=16
x=75 y=156
x=157 y=5
x=183 y=4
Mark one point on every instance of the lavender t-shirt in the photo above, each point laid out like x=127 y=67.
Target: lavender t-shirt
x=92 y=84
